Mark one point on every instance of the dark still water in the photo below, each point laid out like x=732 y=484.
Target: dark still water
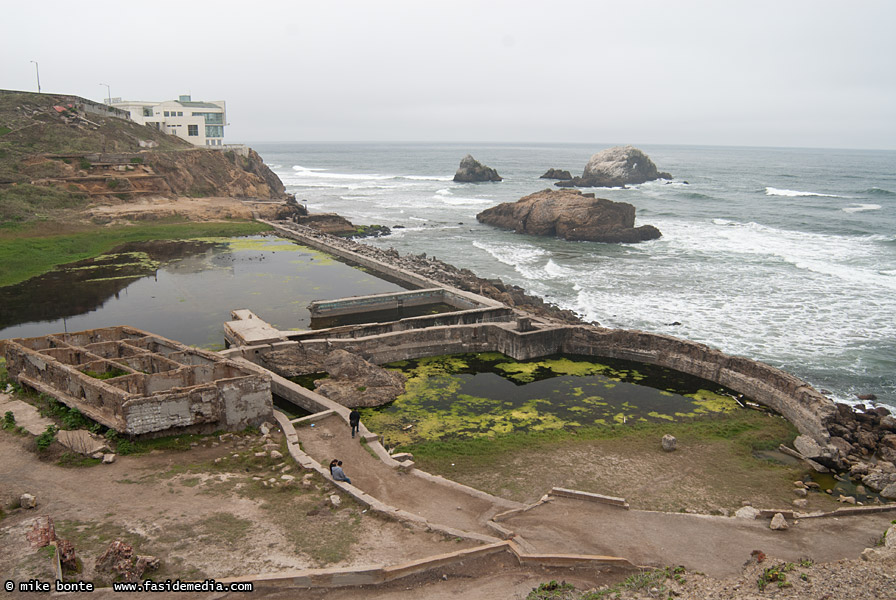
x=183 y=290
x=488 y=394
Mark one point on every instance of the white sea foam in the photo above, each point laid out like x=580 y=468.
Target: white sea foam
x=770 y=191
x=426 y=177
x=456 y=201
x=853 y=208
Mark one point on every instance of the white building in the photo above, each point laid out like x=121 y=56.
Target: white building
x=200 y=123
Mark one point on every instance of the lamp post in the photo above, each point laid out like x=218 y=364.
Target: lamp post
x=37 y=72
x=109 y=90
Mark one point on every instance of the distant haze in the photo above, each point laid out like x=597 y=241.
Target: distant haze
x=762 y=73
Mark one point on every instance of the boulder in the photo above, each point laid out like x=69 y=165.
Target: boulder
x=889 y=492
x=557 y=174
x=617 y=167
x=779 y=523
x=807 y=446
x=877 y=480
x=354 y=382
x=747 y=512
x=669 y=443
x=471 y=170
x=570 y=215
x=27 y=501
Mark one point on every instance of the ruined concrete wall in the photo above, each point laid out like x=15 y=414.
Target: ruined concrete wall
x=154 y=384
x=786 y=394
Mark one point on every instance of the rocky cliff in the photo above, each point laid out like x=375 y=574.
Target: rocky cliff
x=59 y=153
x=571 y=215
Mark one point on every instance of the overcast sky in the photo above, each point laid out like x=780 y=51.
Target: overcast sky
x=782 y=73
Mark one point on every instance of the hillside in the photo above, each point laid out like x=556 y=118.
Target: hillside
x=61 y=153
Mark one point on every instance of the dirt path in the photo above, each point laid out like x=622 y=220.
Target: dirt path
x=331 y=438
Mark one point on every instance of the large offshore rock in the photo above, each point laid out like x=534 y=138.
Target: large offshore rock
x=571 y=215
x=616 y=167
x=471 y=170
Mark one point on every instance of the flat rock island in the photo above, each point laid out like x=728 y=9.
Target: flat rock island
x=570 y=215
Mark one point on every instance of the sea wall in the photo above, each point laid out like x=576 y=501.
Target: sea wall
x=808 y=410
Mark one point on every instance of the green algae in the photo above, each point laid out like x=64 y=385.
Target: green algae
x=472 y=396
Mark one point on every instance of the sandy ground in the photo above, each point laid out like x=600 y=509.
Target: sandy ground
x=193 y=209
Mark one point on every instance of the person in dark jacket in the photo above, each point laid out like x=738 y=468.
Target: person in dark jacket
x=354 y=419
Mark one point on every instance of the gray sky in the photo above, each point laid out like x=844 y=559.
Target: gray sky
x=783 y=73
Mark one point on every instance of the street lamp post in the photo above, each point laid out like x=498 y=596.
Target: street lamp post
x=109 y=91
x=37 y=72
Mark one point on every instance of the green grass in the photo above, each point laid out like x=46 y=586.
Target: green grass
x=747 y=430
x=25 y=256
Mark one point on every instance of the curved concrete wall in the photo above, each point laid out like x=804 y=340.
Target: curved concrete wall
x=786 y=394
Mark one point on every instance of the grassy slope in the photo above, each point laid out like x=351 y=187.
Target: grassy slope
x=26 y=256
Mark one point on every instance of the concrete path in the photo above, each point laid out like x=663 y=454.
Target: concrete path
x=717 y=546
x=25 y=414
x=444 y=503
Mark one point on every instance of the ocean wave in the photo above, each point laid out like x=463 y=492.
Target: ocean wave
x=878 y=192
x=770 y=191
x=300 y=171
x=443 y=192
x=517 y=256
x=424 y=177
x=459 y=201
x=853 y=208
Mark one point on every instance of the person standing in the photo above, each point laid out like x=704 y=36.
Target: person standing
x=354 y=419
x=339 y=474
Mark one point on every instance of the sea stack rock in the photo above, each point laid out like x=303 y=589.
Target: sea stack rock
x=471 y=170
x=557 y=174
x=571 y=215
x=616 y=167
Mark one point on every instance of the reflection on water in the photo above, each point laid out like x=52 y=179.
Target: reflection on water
x=183 y=290
x=474 y=395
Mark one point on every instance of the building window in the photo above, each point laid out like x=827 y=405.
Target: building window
x=167 y=114
x=211 y=118
x=214 y=131
x=192 y=129
x=147 y=111
x=180 y=113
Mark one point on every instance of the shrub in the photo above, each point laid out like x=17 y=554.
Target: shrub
x=9 y=420
x=46 y=438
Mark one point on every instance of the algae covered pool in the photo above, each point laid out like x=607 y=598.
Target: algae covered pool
x=488 y=394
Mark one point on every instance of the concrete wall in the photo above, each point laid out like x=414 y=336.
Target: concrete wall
x=807 y=409
x=158 y=384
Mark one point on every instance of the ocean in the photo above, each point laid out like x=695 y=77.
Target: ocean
x=783 y=255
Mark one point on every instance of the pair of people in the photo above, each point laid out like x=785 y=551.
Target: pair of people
x=337 y=472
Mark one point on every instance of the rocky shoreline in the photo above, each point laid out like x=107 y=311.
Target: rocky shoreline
x=862 y=442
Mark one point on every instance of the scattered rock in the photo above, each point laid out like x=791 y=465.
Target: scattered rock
x=265 y=428
x=889 y=492
x=557 y=174
x=276 y=454
x=669 y=443
x=779 y=523
x=846 y=499
x=335 y=500
x=287 y=477
x=355 y=382
x=801 y=503
x=108 y=459
x=801 y=492
x=747 y=512
x=471 y=170
x=27 y=501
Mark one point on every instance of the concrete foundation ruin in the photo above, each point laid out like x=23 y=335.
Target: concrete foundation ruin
x=139 y=383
